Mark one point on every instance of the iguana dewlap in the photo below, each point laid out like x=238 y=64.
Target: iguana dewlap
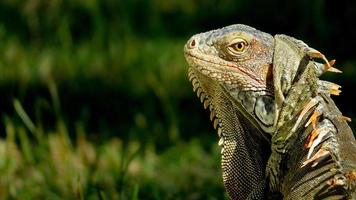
x=281 y=135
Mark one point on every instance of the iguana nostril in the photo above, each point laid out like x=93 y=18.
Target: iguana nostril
x=192 y=43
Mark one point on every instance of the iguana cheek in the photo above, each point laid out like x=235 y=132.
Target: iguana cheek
x=264 y=110
x=247 y=100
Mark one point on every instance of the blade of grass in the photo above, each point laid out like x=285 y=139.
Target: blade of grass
x=52 y=87
x=25 y=145
x=102 y=195
x=25 y=118
x=79 y=189
x=9 y=129
x=135 y=191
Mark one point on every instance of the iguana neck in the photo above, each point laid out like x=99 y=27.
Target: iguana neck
x=243 y=147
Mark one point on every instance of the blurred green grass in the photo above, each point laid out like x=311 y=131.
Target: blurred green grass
x=54 y=167
x=95 y=99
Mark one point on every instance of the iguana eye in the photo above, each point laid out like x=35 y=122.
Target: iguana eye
x=237 y=46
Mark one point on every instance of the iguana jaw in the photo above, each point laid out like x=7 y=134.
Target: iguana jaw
x=195 y=76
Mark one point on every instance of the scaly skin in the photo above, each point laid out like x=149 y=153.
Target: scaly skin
x=273 y=115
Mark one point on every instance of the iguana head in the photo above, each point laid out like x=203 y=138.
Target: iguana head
x=239 y=58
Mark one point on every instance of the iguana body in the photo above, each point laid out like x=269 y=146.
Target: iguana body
x=280 y=132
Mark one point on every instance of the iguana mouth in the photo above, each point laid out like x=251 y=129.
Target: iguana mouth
x=189 y=55
x=199 y=58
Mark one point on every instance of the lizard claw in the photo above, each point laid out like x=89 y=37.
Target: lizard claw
x=329 y=67
x=311 y=138
x=328 y=87
x=346 y=119
x=317 y=157
x=313 y=119
x=335 y=90
x=316 y=137
x=307 y=107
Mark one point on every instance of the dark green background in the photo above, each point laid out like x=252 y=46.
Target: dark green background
x=117 y=69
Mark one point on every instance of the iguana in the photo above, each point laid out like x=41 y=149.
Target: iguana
x=281 y=135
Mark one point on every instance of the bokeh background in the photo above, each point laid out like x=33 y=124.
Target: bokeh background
x=95 y=101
